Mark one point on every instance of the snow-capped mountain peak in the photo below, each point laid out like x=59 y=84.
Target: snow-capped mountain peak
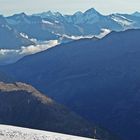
x=137 y=14
x=48 y=14
x=91 y=16
x=92 y=11
x=78 y=13
x=18 y=18
x=21 y=15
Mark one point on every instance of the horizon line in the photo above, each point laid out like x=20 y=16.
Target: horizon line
x=57 y=11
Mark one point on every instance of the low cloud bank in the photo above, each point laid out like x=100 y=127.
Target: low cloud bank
x=103 y=33
x=38 y=48
x=78 y=37
x=10 y=55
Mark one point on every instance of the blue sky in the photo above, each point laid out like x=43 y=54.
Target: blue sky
x=9 y=7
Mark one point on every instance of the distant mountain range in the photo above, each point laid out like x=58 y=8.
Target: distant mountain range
x=98 y=79
x=56 y=26
x=23 y=34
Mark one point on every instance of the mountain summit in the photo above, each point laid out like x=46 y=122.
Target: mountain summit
x=92 y=11
x=136 y=14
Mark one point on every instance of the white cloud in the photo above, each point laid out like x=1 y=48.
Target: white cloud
x=10 y=56
x=7 y=51
x=38 y=48
x=103 y=33
x=78 y=37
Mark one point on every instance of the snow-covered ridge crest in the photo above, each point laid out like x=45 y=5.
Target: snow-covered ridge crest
x=18 y=133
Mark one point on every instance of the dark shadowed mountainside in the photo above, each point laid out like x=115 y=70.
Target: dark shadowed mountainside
x=22 y=105
x=97 y=79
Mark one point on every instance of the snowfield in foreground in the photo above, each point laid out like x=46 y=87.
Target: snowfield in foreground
x=17 y=133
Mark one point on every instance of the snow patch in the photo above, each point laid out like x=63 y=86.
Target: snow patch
x=24 y=35
x=18 y=133
x=27 y=37
x=123 y=21
x=47 y=22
